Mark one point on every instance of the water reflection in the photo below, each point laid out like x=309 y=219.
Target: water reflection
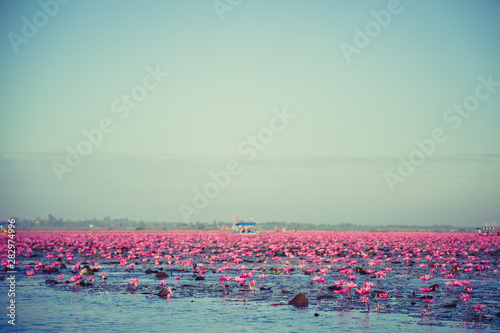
x=365 y=323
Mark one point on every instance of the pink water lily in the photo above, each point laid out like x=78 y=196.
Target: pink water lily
x=349 y=257
x=134 y=281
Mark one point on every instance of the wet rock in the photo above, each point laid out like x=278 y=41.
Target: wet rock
x=452 y=305
x=87 y=271
x=332 y=288
x=285 y=291
x=53 y=270
x=316 y=314
x=199 y=278
x=299 y=301
x=265 y=288
x=434 y=287
x=325 y=296
x=63 y=266
x=148 y=271
x=2 y=278
x=161 y=275
x=50 y=281
x=361 y=271
x=163 y=293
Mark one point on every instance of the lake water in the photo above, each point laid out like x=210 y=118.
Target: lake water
x=113 y=305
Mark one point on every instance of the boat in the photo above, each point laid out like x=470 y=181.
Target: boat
x=487 y=231
x=245 y=228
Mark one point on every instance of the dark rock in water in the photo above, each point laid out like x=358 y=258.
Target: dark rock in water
x=163 y=293
x=434 y=287
x=2 y=278
x=413 y=303
x=53 y=270
x=161 y=275
x=199 y=278
x=81 y=283
x=87 y=271
x=498 y=314
x=413 y=294
x=95 y=270
x=155 y=271
x=51 y=281
x=332 y=288
x=148 y=271
x=265 y=288
x=325 y=296
x=300 y=301
x=316 y=314
x=285 y=291
x=452 y=305
x=361 y=271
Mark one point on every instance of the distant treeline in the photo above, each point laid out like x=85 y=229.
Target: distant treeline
x=52 y=223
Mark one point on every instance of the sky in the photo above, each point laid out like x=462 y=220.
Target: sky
x=366 y=112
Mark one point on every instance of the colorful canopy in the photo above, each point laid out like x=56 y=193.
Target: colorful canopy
x=245 y=223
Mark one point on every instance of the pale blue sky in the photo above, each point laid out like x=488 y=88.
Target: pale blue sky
x=353 y=120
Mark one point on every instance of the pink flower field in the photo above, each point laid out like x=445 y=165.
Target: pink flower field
x=430 y=276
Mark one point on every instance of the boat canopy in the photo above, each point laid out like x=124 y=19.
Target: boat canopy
x=246 y=223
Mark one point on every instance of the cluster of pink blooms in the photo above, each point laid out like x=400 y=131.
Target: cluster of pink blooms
x=345 y=257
